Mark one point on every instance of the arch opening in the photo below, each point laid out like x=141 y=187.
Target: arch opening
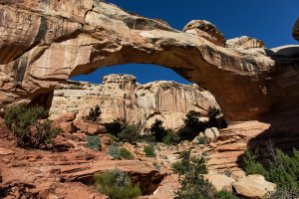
x=151 y=93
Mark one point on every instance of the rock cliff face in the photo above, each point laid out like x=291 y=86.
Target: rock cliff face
x=43 y=43
x=121 y=98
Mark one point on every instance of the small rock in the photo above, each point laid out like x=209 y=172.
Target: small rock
x=254 y=186
x=212 y=133
x=67 y=127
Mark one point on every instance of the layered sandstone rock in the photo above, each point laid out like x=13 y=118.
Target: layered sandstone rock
x=45 y=42
x=121 y=98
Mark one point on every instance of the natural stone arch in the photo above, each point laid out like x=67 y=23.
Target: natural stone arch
x=53 y=40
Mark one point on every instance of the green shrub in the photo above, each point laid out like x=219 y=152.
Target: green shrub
x=149 y=151
x=129 y=133
x=93 y=114
x=119 y=153
x=251 y=165
x=93 y=142
x=114 y=152
x=171 y=137
x=203 y=140
x=126 y=154
x=116 y=184
x=281 y=169
x=28 y=127
x=225 y=195
x=182 y=166
x=193 y=184
x=192 y=126
x=158 y=130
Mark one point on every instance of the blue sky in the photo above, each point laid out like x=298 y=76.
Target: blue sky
x=269 y=20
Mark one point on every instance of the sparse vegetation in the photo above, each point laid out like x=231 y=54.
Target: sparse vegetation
x=193 y=184
x=93 y=142
x=124 y=132
x=93 y=114
x=149 y=151
x=171 y=137
x=129 y=133
x=225 y=195
x=203 y=139
x=114 y=152
x=126 y=154
x=116 y=184
x=192 y=126
x=29 y=126
x=120 y=153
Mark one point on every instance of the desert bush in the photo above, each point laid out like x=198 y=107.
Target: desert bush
x=28 y=127
x=203 y=140
x=130 y=133
x=225 y=195
x=93 y=142
x=126 y=154
x=215 y=120
x=149 y=151
x=251 y=165
x=114 y=152
x=279 y=168
x=119 y=153
x=171 y=137
x=93 y=114
x=192 y=126
x=124 y=132
x=183 y=165
x=116 y=184
x=158 y=130
x=193 y=184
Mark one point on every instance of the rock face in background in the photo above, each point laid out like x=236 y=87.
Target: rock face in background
x=121 y=98
x=296 y=30
x=43 y=43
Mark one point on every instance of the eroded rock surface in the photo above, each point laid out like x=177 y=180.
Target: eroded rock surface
x=120 y=98
x=45 y=42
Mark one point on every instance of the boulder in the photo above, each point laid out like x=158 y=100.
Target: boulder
x=212 y=133
x=89 y=128
x=67 y=127
x=220 y=181
x=254 y=186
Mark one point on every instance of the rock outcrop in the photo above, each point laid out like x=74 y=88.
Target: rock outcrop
x=296 y=30
x=121 y=98
x=43 y=43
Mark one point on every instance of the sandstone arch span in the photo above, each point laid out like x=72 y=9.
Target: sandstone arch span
x=43 y=43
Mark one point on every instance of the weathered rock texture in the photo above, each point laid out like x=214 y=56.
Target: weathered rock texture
x=121 y=98
x=45 y=42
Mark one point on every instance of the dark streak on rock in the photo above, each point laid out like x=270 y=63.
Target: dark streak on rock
x=41 y=31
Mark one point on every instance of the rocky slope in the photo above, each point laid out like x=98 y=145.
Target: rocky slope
x=43 y=43
x=121 y=98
